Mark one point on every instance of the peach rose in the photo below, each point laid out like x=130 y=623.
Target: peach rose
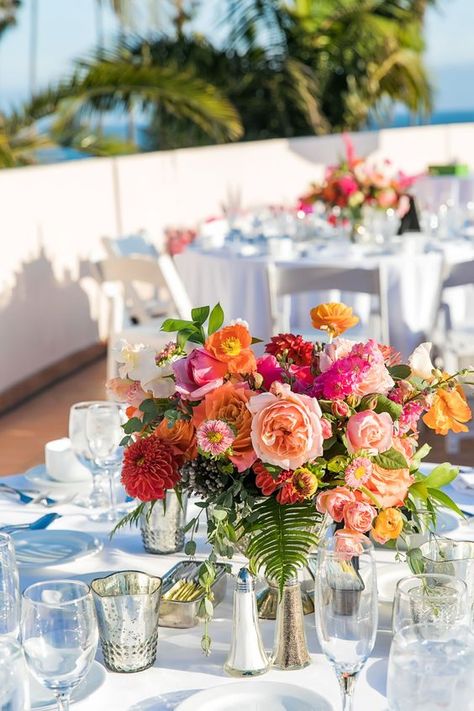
x=376 y=380
x=358 y=516
x=390 y=486
x=334 y=501
x=286 y=427
x=349 y=543
x=370 y=431
x=181 y=437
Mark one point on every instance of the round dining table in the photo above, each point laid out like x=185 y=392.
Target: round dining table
x=181 y=668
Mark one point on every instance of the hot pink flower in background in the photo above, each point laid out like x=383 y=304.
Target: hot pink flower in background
x=198 y=374
x=358 y=516
x=286 y=427
x=341 y=379
x=334 y=501
x=369 y=431
x=358 y=472
x=348 y=185
x=270 y=370
x=214 y=437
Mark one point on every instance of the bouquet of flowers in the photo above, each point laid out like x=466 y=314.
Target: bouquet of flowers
x=357 y=182
x=271 y=443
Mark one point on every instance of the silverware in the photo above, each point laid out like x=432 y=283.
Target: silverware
x=39 y=524
x=26 y=498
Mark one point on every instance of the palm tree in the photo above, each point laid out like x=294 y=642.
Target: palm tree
x=8 y=10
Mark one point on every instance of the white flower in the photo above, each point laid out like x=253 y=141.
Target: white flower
x=420 y=362
x=138 y=362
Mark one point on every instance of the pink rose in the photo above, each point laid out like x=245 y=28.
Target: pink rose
x=358 y=516
x=376 y=379
x=286 y=427
x=198 y=374
x=334 y=501
x=126 y=390
x=349 y=543
x=370 y=431
x=269 y=369
x=326 y=428
x=339 y=348
x=339 y=408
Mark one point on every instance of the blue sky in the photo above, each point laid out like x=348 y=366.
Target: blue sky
x=67 y=30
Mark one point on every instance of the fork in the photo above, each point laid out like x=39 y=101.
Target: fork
x=39 y=524
x=26 y=499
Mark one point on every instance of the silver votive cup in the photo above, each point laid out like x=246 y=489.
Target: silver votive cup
x=163 y=527
x=128 y=608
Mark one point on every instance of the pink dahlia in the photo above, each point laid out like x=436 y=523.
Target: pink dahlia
x=214 y=437
x=358 y=472
x=411 y=413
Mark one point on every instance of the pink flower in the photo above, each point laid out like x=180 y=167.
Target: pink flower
x=411 y=413
x=326 y=428
x=214 y=437
x=198 y=374
x=286 y=427
x=341 y=379
x=369 y=431
x=339 y=408
x=358 y=472
x=339 y=348
x=358 y=516
x=375 y=378
x=334 y=501
x=348 y=185
x=387 y=198
x=348 y=543
x=269 y=369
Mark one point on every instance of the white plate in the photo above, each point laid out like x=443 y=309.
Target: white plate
x=256 y=696
x=388 y=577
x=464 y=500
x=42 y=548
x=39 y=477
x=447 y=521
x=43 y=700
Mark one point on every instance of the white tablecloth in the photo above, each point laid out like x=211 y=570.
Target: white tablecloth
x=413 y=281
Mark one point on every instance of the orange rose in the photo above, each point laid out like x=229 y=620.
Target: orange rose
x=229 y=403
x=448 y=411
x=388 y=525
x=334 y=318
x=231 y=345
x=390 y=486
x=181 y=437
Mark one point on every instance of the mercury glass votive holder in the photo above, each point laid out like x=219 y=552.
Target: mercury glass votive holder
x=162 y=524
x=128 y=608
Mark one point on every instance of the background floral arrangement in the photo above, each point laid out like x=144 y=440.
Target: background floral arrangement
x=271 y=443
x=357 y=182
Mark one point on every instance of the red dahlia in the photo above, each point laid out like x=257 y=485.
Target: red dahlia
x=265 y=481
x=149 y=469
x=294 y=348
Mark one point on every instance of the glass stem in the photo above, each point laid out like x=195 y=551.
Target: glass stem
x=63 y=702
x=112 y=496
x=347 y=684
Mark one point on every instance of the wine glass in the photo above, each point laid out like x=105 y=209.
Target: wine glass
x=430 y=598
x=59 y=634
x=14 y=687
x=104 y=434
x=9 y=588
x=346 y=606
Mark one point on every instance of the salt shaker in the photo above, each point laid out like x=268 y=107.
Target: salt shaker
x=247 y=656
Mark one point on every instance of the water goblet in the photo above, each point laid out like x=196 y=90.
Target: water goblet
x=104 y=434
x=430 y=598
x=14 y=687
x=9 y=588
x=59 y=633
x=449 y=557
x=345 y=602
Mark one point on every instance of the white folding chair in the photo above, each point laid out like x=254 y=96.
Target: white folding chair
x=131 y=321
x=285 y=281
x=129 y=245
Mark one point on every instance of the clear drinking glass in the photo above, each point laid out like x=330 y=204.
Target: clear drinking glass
x=430 y=667
x=9 y=588
x=104 y=434
x=14 y=687
x=429 y=598
x=345 y=602
x=59 y=633
x=448 y=557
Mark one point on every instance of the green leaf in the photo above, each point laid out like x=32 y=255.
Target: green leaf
x=400 y=372
x=386 y=405
x=415 y=561
x=216 y=319
x=190 y=548
x=176 y=324
x=200 y=314
x=134 y=424
x=418 y=456
x=419 y=490
x=219 y=514
x=391 y=459
x=184 y=335
x=441 y=475
x=445 y=501
x=256 y=340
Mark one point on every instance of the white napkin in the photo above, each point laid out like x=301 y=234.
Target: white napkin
x=464 y=482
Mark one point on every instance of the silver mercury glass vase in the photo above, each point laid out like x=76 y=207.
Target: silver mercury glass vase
x=162 y=528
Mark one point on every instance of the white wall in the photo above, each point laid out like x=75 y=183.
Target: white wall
x=52 y=218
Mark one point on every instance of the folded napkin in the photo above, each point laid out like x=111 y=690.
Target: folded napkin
x=464 y=482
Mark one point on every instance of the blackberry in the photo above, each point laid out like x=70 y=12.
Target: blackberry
x=203 y=477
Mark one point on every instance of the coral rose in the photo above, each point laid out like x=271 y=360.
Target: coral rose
x=369 y=431
x=388 y=525
x=229 y=403
x=198 y=374
x=334 y=318
x=390 y=486
x=286 y=427
x=181 y=437
x=448 y=411
x=358 y=516
x=149 y=469
x=231 y=345
x=334 y=501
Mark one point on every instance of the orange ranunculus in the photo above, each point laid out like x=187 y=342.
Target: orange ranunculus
x=334 y=318
x=231 y=345
x=229 y=403
x=181 y=437
x=448 y=411
x=388 y=525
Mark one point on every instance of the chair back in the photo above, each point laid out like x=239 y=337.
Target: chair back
x=128 y=246
x=461 y=274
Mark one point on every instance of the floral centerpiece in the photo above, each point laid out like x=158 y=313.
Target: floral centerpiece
x=270 y=443
x=356 y=183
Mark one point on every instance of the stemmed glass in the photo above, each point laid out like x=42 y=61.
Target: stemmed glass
x=346 y=606
x=9 y=588
x=59 y=634
x=104 y=433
